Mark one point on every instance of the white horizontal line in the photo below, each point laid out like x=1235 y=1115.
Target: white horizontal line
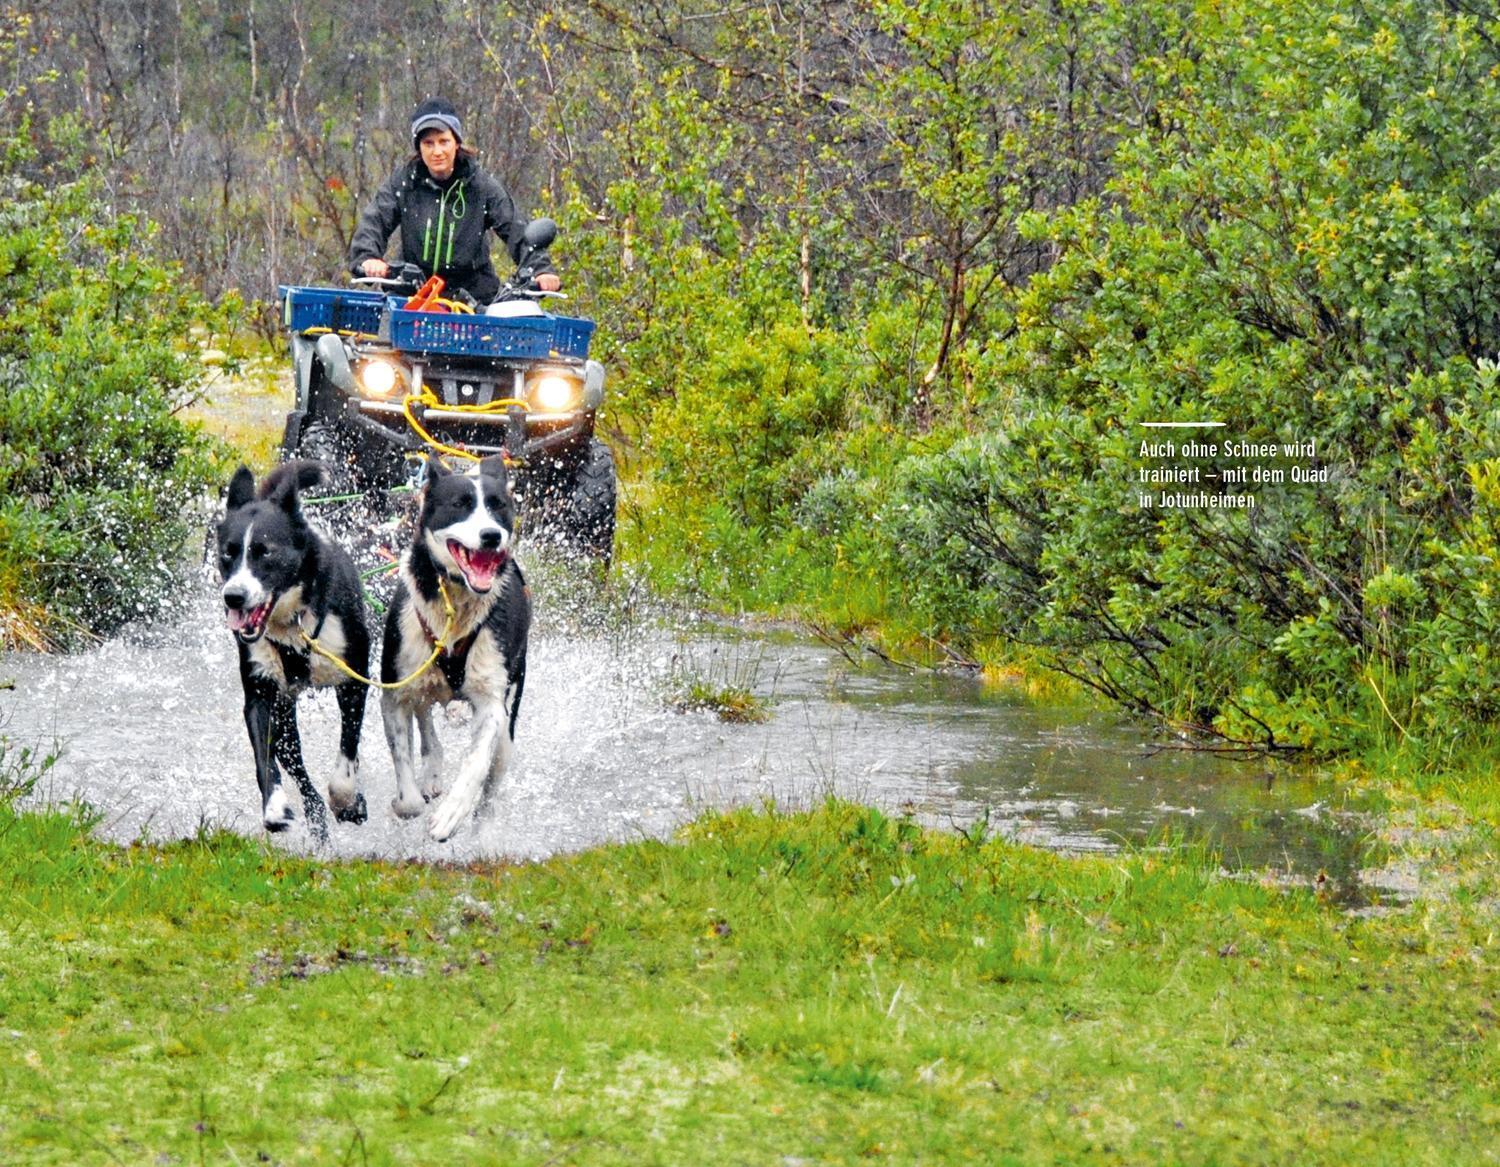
x=1180 y=424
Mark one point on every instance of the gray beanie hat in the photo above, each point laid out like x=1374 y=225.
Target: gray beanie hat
x=435 y=114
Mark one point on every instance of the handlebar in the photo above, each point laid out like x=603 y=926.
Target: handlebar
x=406 y=276
x=409 y=278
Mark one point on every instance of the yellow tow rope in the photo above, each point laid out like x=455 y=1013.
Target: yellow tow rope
x=428 y=398
x=352 y=334
x=437 y=650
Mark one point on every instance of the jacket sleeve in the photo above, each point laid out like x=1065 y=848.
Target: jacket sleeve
x=500 y=217
x=377 y=223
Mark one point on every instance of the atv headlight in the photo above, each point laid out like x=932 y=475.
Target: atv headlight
x=551 y=391
x=381 y=379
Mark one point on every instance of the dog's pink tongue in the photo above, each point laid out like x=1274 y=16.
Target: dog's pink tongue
x=240 y=619
x=481 y=567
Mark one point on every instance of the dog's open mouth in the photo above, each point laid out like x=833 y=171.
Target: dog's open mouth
x=479 y=567
x=248 y=623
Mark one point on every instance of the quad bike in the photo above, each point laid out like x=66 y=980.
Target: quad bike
x=385 y=376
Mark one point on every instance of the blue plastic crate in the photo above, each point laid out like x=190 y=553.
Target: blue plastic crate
x=339 y=309
x=571 y=336
x=517 y=337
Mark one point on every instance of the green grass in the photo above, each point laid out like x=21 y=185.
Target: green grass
x=825 y=987
x=1460 y=770
x=696 y=551
x=245 y=404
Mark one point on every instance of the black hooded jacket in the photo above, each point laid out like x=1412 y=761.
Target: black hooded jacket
x=443 y=225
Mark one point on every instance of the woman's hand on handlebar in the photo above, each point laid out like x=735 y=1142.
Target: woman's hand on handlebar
x=548 y=282
x=387 y=275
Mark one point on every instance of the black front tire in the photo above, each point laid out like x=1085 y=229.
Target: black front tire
x=321 y=442
x=591 y=505
x=573 y=505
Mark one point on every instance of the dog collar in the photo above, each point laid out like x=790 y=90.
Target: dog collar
x=317 y=628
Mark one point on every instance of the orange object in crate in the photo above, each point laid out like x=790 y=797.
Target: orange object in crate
x=423 y=301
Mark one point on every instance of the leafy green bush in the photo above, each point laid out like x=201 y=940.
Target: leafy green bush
x=1283 y=219
x=750 y=422
x=1302 y=247
x=97 y=470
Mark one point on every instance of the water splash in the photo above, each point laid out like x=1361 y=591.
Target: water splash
x=154 y=739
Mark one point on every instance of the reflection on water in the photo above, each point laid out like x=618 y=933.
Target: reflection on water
x=154 y=740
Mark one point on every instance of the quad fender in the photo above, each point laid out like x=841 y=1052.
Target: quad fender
x=334 y=358
x=302 y=368
x=513 y=308
x=593 y=384
x=316 y=364
x=327 y=351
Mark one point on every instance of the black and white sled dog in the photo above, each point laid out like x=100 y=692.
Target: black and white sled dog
x=462 y=550
x=283 y=578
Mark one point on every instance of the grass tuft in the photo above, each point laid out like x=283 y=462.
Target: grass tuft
x=722 y=681
x=729 y=703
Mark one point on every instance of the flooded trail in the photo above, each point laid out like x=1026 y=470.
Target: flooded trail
x=153 y=738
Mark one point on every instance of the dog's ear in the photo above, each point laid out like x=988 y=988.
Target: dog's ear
x=494 y=467
x=308 y=472
x=284 y=494
x=436 y=469
x=241 y=489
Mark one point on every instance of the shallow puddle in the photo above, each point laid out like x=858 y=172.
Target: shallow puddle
x=153 y=737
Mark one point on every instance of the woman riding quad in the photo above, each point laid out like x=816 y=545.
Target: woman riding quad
x=443 y=203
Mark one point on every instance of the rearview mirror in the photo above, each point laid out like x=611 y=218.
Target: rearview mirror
x=539 y=234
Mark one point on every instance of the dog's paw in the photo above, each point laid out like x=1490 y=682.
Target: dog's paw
x=448 y=817
x=355 y=813
x=277 y=815
x=432 y=787
x=343 y=790
x=404 y=809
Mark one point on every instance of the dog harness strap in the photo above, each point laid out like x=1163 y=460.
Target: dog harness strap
x=454 y=659
x=296 y=664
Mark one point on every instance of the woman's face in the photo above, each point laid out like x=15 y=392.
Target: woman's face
x=438 y=148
